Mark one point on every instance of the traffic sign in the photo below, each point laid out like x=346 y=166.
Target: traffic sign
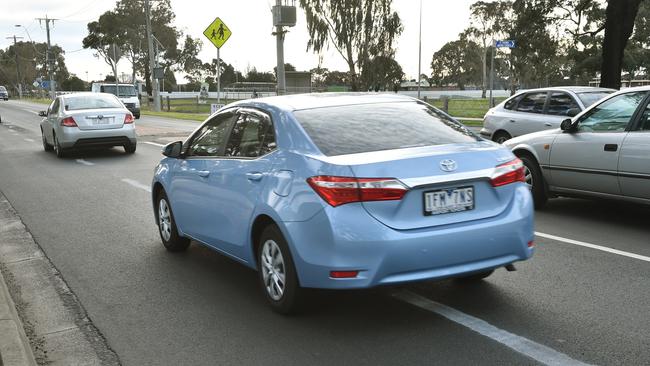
x=505 y=44
x=217 y=32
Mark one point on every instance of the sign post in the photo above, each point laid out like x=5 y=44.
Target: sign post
x=218 y=33
x=497 y=44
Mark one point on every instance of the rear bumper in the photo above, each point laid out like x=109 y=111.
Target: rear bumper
x=73 y=137
x=387 y=256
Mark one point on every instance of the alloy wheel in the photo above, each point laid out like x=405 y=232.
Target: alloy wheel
x=164 y=219
x=273 y=270
x=528 y=177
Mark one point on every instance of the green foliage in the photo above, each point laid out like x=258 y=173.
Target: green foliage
x=31 y=62
x=74 y=84
x=381 y=73
x=457 y=62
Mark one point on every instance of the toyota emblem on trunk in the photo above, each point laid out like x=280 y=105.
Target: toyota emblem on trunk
x=100 y=117
x=448 y=165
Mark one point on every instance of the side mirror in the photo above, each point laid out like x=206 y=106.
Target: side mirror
x=566 y=125
x=572 y=112
x=42 y=114
x=173 y=150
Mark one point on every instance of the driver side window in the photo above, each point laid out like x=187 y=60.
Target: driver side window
x=54 y=107
x=209 y=141
x=613 y=115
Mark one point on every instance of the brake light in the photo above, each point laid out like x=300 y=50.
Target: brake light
x=68 y=122
x=128 y=118
x=341 y=190
x=510 y=172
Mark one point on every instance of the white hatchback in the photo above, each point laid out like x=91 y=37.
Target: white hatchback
x=538 y=109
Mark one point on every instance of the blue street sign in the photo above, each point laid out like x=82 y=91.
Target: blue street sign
x=505 y=44
x=45 y=84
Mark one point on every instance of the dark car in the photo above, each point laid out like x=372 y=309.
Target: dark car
x=4 y=94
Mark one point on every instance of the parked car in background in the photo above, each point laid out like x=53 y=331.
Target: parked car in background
x=4 y=94
x=538 y=109
x=603 y=152
x=344 y=191
x=83 y=120
x=127 y=93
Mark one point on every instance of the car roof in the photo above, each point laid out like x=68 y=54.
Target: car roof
x=322 y=100
x=574 y=89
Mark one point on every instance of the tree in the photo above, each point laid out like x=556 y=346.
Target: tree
x=358 y=29
x=287 y=67
x=619 y=24
x=73 y=84
x=457 y=62
x=31 y=64
x=262 y=77
x=381 y=73
x=104 y=33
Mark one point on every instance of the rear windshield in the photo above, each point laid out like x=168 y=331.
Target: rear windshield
x=91 y=102
x=374 y=127
x=125 y=90
x=592 y=97
x=2 y=88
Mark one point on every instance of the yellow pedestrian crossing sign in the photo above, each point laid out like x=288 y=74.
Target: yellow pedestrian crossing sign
x=217 y=32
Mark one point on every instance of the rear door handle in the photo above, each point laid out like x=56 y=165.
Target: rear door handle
x=203 y=173
x=254 y=176
x=512 y=121
x=611 y=147
x=548 y=124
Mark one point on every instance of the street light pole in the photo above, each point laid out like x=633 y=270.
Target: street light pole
x=154 y=81
x=18 y=81
x=279 y=39
x=492 y=75
x=420 y=53
x=48 y=56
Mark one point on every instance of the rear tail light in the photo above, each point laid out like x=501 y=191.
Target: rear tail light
x=68 y=122
x=128 y=118
x=510 y=172
x=344 y=274
x=531 y=244
x=341 y=190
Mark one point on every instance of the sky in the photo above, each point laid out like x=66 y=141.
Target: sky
x=251 y=43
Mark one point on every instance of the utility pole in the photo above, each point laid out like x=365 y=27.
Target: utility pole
x=492 y=74
x=279 y=38
x=49 y=59
x=152 y=64
x=420 y=53
x=18 y=80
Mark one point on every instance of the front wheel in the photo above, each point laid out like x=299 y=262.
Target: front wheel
x=535 y=181
x=277 y=273
x=501 y=137
x=167 y=226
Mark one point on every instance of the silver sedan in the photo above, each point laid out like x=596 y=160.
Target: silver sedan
x=602 y=152
x=83 y=120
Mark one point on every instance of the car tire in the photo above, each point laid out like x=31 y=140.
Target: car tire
x=277 y=273
x=58 y=150
x=137 y=116
x=130 y=148
x=167 y=229
x=475 y=277
x=535 y=181
x=501 y=137
x=46 y=146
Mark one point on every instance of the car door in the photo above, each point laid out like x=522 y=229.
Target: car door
x=237 y=180
x=634 y=162
x=53 y=119
x=192 y=195
x=587 y=159
x=560 y=104
x=528 y=115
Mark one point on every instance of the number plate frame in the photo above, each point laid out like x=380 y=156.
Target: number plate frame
x=442 y=212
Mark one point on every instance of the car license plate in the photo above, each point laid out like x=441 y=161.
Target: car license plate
x=448 y=201
x=103 y=121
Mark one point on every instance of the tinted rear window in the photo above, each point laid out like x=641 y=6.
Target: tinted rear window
x=91 y=102
x=2 y=88
x=374 y=127
x=592 y=97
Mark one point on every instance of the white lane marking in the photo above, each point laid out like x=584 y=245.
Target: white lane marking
x=84 y=162
x=29 y=140
x=137 y=184
x=524 y=346
x=594 y=246
x=29 y=110
x=153 y=143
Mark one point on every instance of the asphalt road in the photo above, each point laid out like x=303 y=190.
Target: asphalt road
x=92 y=216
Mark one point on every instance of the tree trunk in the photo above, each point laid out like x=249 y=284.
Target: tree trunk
x=147 y=79
x=619 y=24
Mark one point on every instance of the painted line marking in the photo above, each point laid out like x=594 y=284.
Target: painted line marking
x=594 y=246
x=137 y=184
x=29 y=140
x=84 y=162
x=153 y=143
x=524 y=346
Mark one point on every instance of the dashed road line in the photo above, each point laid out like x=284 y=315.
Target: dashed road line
x=137 y=184
x=84 y=162
x=594 y=246
x=524 y=346
x=29 y=140
x=153 y=143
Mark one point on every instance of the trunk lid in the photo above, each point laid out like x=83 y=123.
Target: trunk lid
x=99 y=119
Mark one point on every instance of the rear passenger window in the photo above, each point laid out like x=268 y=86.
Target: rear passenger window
x=561 y=103
x=532 y=103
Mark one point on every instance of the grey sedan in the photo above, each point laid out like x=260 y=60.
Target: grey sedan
x=602 y=152
x=84 y=120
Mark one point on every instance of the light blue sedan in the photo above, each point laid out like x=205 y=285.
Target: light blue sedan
x=344 y=191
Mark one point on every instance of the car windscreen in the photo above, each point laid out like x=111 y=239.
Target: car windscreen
x=373 y=127
x=91 y=102
x=590 y=98
x=2 y=88
x=125 y=90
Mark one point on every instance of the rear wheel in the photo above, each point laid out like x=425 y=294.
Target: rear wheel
x=58 y=150
x=535 y=181
x=476 y=276
x=46 y=146
x=501 y=137
x=130 y=148
x=277 y=273
x=167 y=226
